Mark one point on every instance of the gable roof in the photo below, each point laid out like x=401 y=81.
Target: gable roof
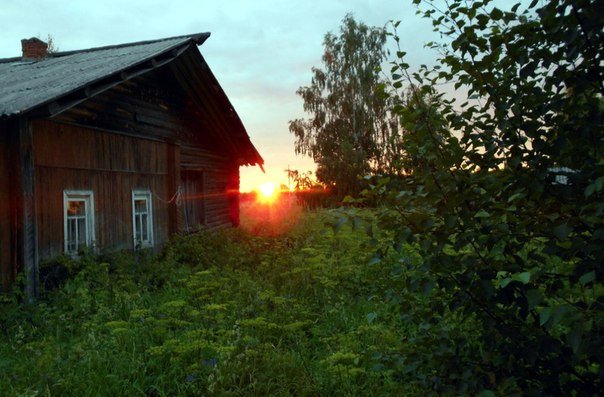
x=64 y=79
x=25 y=84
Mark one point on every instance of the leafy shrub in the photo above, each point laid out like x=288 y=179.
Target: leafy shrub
x=504 y=245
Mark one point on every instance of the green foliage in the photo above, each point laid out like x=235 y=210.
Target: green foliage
x=309 y=193
x=222 y=313
x=503 y=242
x=351 y=131
x=301 y=180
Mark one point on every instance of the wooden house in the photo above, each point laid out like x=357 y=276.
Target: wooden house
x=113 y=148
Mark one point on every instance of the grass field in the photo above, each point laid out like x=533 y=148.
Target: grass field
x=289 y=304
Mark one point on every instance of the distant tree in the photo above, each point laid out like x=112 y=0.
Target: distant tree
x=52 y=46
x=351 y=131
x=50 y=41
x=301 y=180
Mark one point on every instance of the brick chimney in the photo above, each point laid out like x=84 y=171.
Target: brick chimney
x=34 y=48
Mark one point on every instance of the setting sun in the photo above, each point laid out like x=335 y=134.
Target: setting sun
x=267 y=191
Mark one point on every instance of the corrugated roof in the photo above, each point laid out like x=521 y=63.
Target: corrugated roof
x=26 y=84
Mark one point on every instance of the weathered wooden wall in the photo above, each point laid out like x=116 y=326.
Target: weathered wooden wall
x=142 y=134
x=75 y=158
x=153 y=108
x=145 y=133
x=18 y=230
x=149 y=106
x=220 y=187
x=6 y=268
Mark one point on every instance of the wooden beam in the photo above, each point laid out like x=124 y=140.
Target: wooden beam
x=109 y=82
x=24 y=230
x=173 y=184
x=6 y=269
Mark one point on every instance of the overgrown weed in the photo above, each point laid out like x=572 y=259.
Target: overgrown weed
x=216 y=313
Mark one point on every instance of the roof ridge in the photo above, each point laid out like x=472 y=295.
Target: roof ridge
x=198 y=38
x=11 y=59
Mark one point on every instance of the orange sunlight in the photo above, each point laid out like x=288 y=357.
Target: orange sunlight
x=268 y=192
x=269 y=211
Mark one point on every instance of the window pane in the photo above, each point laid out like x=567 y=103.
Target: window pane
x=140 y=206
x=76 y=207
x=79 y=227
x=145 y=228
x=142 y=218
x=137 y=226
x=71 y=234
x=82 y=237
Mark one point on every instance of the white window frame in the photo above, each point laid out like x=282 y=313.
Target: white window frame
x=87 y=196
x=142 y=194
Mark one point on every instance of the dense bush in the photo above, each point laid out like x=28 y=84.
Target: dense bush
x=504 y=240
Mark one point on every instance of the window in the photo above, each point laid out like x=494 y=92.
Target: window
x=78 y=219
x=194 y=211
x=142 y=219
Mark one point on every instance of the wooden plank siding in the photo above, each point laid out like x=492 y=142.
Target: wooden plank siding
x=161 y=125
x=18 y=226
x=220 y=186
x=149 y=107
x=24 y=192
x=74 y=158
x=138 y=135
x=6 y=268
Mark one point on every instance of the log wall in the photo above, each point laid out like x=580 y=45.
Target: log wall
x=140 y=134
x=111 y=166
x=6 y=268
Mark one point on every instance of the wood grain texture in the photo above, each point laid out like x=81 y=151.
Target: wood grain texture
x=6 y=268
x=165 y=126
x=109 y=165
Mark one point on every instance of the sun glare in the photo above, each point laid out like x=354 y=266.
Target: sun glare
x=267 y=191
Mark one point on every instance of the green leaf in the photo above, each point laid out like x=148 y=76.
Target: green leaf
x=533 y=298
x=558 y=314
x=428 y=286
x=589 y=190
x=450 y=221
x=574 y=338
x=482 y=214
x=374 y=260
x=515 y=196
x=594 y=187
x=544 y=315
x=339 y=223
x=523 y=277
x=562 y=231
x=504 y=283
x=496 y=14
x=587 y=278
x=371 y=317
x=483 y=20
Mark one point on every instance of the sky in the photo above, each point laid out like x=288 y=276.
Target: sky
x=261 y=51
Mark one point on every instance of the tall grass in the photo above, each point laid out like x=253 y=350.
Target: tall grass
x=229 y=312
